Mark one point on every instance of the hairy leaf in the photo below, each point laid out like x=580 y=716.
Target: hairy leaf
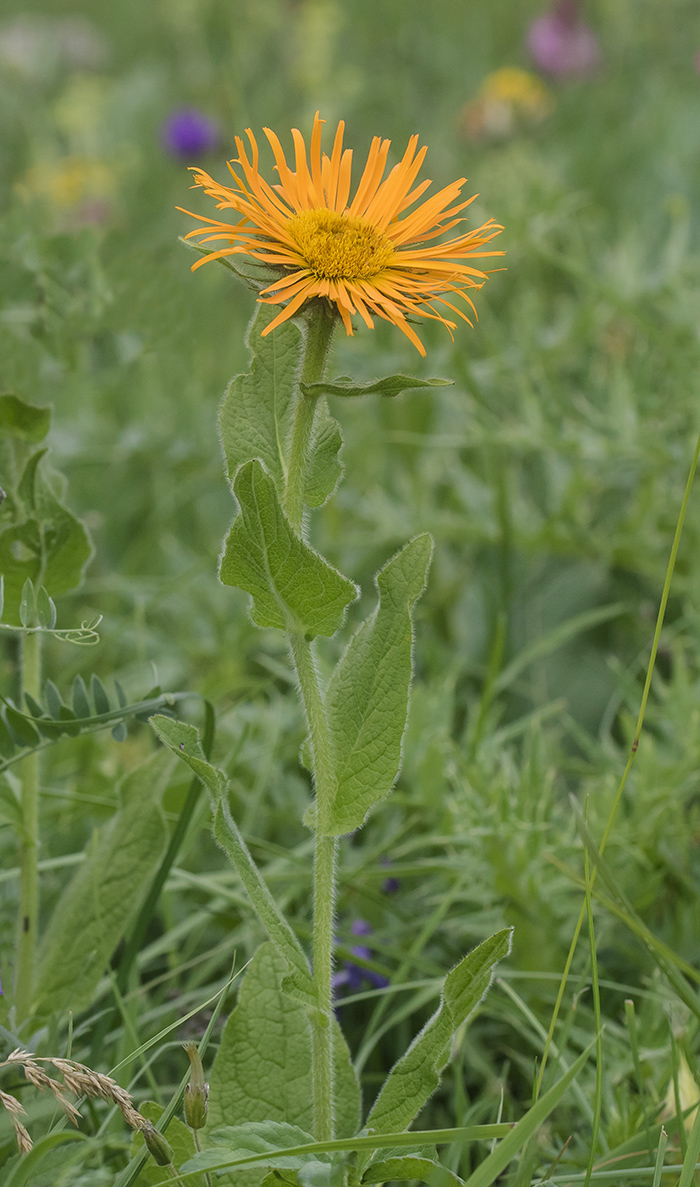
x=262 y=1071
x=411 y=1166
x=257 y=412
x=96 y=906
x=417 y=1074
x=368 y=695
x=291 y=585
x=183 y=740
x=391 y=385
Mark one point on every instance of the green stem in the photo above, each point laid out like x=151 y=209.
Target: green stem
x=28 y=918
x=319 y=332
x=325 y=859
x=320 y=325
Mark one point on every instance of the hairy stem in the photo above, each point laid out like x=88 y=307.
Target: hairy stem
x=320 y=326
x=28 y=917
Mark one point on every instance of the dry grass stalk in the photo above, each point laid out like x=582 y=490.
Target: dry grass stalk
x=78 y=1079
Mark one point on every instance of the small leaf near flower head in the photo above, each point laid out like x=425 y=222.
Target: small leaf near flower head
x=391 y=385
x=257 y=413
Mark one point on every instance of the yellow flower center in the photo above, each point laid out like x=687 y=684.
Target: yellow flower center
x=337 y=247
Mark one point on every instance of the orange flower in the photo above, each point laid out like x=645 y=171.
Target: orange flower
x=358 y=254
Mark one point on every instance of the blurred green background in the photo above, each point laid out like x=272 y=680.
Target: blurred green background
x=551 y=476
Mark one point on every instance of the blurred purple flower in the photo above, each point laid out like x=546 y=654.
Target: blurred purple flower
x=561 y=43
x=351 y=974
x=188 y=132
x=390 y=885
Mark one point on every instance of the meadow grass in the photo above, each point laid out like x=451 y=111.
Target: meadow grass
x=551 y=476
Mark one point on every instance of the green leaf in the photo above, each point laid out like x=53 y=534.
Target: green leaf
x=253 y=1138
x=24 y=422
x=262 y=1071
x=81 y=704
x=324 y=467
x=179 y=1137
x=54 y=702
x=46 y=610
x=10 y=807
x=183 y=740
x=257 y=412
x=293 y=588
x=411 y=1166
x=103 y=895
x=391 y=385
x=27 y=604
x=23 y=1171
x=99 y=695
x=367 y=698
x=415 y=1077
x=20 y=727
x=7 y=741
x=46 y=542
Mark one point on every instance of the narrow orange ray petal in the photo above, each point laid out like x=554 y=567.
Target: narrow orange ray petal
x=331 y=186
x=315 y=159
x=288 y=179
x=304 y=183
x=287 y=312
x=344 y=181
x=371 y=177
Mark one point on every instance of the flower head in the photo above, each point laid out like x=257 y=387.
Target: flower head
x=365 y=255
x=188 y=131
x=561 y=43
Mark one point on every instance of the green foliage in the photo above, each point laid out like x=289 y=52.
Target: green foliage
x=180 y=1139
x=262 y=1070
x=184 y=742
x=410 y=1167
x=368 y=694
x=95 y=908
x=292 y=587
x=417 y=1074
x=389 y=385
x=257 y=412
x=40 y=539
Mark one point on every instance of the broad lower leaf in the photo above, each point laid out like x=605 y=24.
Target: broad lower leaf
x=183 y=740
x=367 y=698
x=262 y=1071
x=179 y=1137
x=417 y=1074
x=411 y=1166
x=254 y=1139
x=257 y=412
x=293 y=588
x=391 y=385
x=103 y=895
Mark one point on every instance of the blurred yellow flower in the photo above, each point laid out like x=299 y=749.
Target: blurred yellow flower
x=357 y=253
x=688 y=1095
x=508 y=99
x=68 y=182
